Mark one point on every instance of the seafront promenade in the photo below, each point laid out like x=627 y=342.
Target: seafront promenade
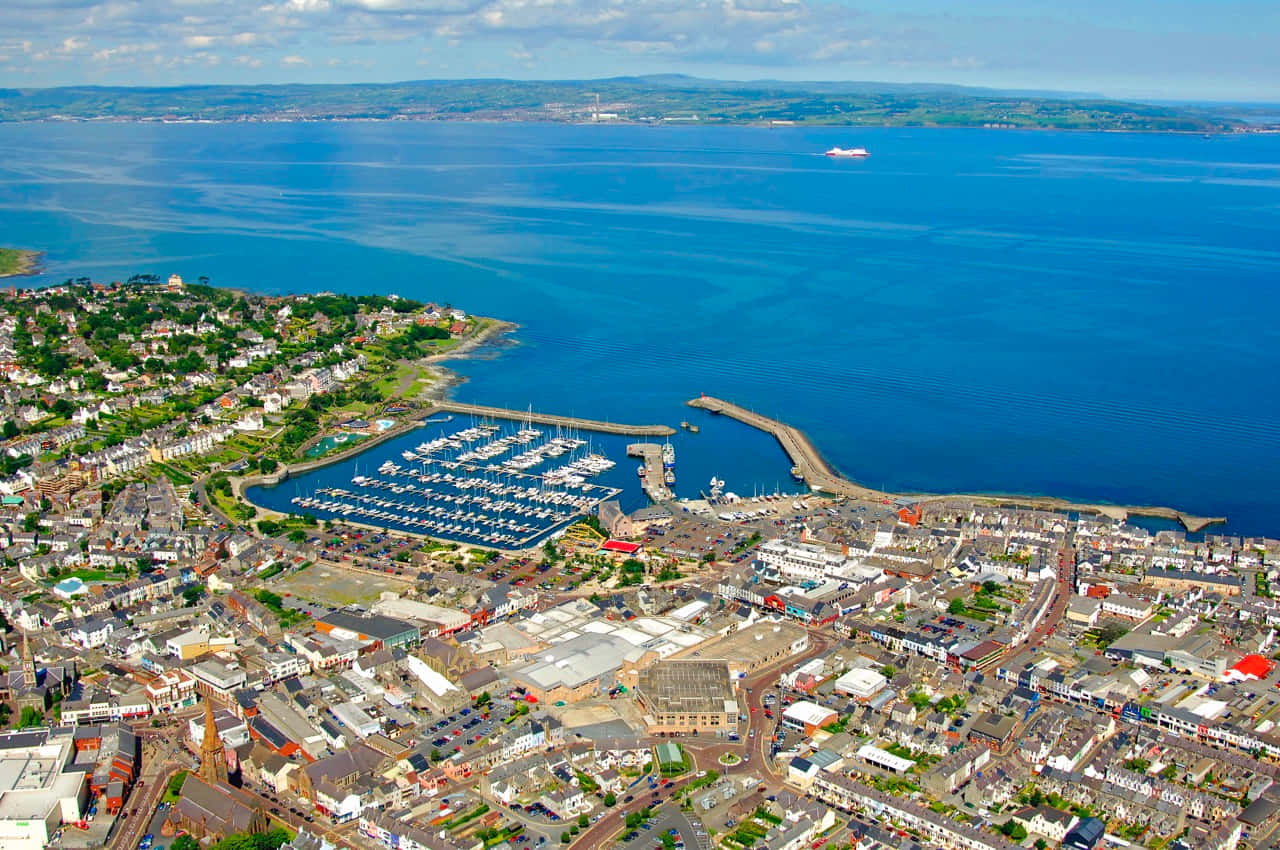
x=822 y=478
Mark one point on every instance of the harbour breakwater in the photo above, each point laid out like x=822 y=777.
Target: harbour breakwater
x=572 y=422
x=819 y=476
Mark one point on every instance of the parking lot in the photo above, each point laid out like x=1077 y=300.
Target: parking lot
x=667 y=821
x=334 y=586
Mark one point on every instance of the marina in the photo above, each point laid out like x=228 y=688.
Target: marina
x=504 y=486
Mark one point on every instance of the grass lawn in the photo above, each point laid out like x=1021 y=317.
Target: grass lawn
x=169 y=796
x=16 y=261
x=177 y=476
x=87 y=575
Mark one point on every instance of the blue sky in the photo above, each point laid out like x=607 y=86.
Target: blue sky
x=1174 y=49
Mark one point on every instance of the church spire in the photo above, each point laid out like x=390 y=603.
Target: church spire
x=213 y=761
x=28 y=661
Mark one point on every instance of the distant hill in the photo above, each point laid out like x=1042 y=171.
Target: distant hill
x=662 y=98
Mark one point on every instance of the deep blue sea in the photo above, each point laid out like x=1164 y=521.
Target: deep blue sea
x=1095 y=316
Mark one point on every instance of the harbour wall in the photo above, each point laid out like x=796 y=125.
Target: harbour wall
x=554 y=419
x=819 y=476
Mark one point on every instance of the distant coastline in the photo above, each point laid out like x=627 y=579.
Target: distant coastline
x=758 y=124
x=658 y=100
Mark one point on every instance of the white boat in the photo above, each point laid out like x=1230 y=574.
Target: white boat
x=848 y=152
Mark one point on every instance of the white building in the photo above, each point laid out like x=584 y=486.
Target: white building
x=885 y=759
x=233 y=731
x=352 y=718
x=807 y=716
x=805 y=561
x=37 y=791
x=1123 y=605
x=860 y=683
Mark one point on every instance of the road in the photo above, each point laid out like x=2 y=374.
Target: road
x=758 y=747
x=143 y=801
x=319 y=826
x=1065 y=582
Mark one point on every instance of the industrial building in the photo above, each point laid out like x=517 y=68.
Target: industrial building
x=807 y=717
x=383 y=631
x=860 y=683
x=579 y=668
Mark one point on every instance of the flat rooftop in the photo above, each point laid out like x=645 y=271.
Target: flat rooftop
x=696 y=687
x=749 y=646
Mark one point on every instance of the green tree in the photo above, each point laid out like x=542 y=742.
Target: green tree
x=956 y=607
x=10 y=429
x=30 y=717
x=565 y=838
x=192 y=594
x=583 y=821
x=610 y=799
x=1014 y=830
x=176 y=782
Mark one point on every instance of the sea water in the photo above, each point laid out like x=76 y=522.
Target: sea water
x=1086 y=315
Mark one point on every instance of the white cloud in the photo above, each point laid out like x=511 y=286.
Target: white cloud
x=813 y=37
x=121 y=51
x=294 y=61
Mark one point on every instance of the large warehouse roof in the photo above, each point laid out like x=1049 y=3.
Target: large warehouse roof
x=809 y=713
x=575 y=662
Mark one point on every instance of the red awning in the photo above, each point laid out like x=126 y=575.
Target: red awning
x=620 y=546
